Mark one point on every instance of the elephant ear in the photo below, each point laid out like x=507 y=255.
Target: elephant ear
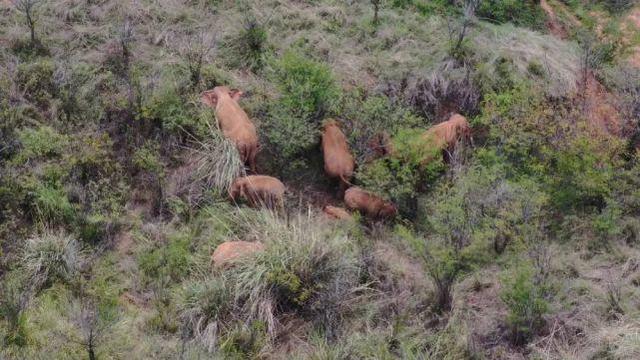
x=209 y=98
x=235 y=94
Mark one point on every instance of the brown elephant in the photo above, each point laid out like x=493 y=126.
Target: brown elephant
x=336 y=212
x=259 y=190
x=370 y=205
x=229 y=251
x=234 y=122
x=447 y=134
x=338 y=161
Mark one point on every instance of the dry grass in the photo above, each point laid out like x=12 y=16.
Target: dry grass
x=560 y=59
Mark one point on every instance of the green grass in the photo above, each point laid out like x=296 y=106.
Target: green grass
x=113 y=182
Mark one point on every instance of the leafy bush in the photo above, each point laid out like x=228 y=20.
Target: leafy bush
x=40 y=143
x=49 y=257
x=13 y=306
x=36 y=81
x=147 y=159
x=481 y=208
x=203 y=307
x=522 y=13
x=618 y=6
x=167 y=106
x=308 y=93
x=401 y=176
x=368 y=116
x=580 y=176
x=526 y=302
x=168 y=261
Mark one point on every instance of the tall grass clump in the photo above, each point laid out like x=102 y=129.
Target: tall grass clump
x=51 y=256
x=248 y=47
x=307 y=270
x=217 y=161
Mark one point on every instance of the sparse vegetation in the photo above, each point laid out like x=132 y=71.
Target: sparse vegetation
x=522 y=242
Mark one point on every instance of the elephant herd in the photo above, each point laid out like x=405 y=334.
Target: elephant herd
x=339 y=163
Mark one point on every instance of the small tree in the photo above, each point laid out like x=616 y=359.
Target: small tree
x=376 y=9
x=30 y=10
x=458 y=34
x=524 y=296
x=196 y=51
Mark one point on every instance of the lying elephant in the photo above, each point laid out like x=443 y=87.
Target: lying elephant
x=259 y=190
x=369 y=204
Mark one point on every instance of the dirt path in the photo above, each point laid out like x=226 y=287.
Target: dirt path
x=553 y=24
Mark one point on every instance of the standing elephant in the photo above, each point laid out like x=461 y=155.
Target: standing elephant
x=234 y=122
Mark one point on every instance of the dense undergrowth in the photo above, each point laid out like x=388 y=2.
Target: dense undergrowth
x=113 y=178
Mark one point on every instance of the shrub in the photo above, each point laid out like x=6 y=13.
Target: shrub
x=481 y=208
x=168 y=261
x=522 y=13
x=443 y=262
x=147 y=159
x=525 y=301
x=368 y=116
x=618 y=6
x=168 y=107
x=247 y=48
x=49 y=257
x=204 y=306
x=580 y=175
x=50 y=204
x=13 y=306
x=40 y=143
x=307 y=94
x=36 y=81
x=412 y=167
x=92 y=159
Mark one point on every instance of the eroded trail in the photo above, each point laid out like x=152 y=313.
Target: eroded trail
x=552 y=21
x=599 y=105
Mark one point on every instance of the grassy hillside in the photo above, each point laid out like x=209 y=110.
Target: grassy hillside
x=523 y=243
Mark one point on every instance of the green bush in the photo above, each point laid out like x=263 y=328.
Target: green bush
x=147 y=159
x=526 y=303
x=368 y=116
x=410 y=170
x=50 y=204
x=36 y=81
x=13 y=305
x=168 y=107
x=40 y=143
x=168 y=261
x=308 y=93
x=580 y=175
x=522 y=13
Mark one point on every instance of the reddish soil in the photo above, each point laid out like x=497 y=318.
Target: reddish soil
x=602 y=115
x=552 y=21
